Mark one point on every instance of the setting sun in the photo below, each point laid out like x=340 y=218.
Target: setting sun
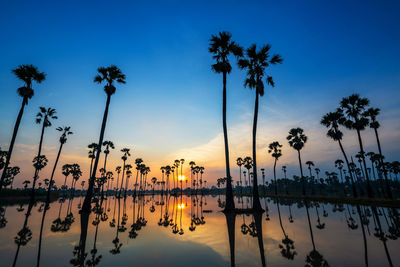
x=181 y=178
x=181 y=206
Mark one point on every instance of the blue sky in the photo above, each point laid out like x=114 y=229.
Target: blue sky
x=171 y=105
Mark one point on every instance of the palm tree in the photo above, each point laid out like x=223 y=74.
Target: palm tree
x=310 y=164
x=109 y=145
x=26 y=183
x=66 y=171
x=275 y=149
x=297 y=140
x=192 y=164
x=118 y=170
x=76 y=173
x=154 y=180
x=124 y=158
x=92 y=155
x=256 y=64
x=109 y=75
x=332 y=120
x=353 y=108
x=43 y=116
x=372 y=113
x=28 y=74
x=222 y=47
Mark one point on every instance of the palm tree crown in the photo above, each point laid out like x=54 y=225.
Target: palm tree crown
x=109 y=75
x=46 y=115
x=296 y=138
x=221 y=47
x=274 y=148
x=27 y=74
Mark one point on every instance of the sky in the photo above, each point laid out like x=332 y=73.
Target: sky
x=170 y=107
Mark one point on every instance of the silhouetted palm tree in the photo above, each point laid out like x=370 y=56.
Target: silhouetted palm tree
x=108 y=145
x=28 y=74
x=354 y=107
x=222 y=47
x=332 y=120
x=109 y=75
x=275 y=149
x=297 y=140
x=255 y=64
x=45 y=115
x=124 y=158
x=372 y=113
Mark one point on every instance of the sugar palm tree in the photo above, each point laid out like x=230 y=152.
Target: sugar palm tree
x=76 y=173
x=297 y=140
x=221 y=46
x=353 y=108
x=109 y=75
x=66 y=171
x=63 y=139
x=124 y=158
x=92 y=155
x=118 y=170
x=372 y=113
x=108 y=145
x=275 y=149
x=44 y=117
x=331 y=121
x=255 y=64
x=239 y=162
x=27 y=74
x=311 y=164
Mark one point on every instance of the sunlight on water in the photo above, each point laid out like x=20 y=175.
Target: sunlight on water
x=181 y=230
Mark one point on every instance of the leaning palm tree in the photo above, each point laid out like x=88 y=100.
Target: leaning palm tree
x=297 y=140
x=332 y=120
x=354 y=107
x=109 y=75
x=44 y=117
x=28 y=74
x=255 y=64
x=372 y=113
x=275 y=149
x=222 y=47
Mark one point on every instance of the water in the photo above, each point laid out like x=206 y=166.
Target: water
x=338 y=237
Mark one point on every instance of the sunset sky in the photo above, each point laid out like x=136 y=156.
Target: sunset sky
x=170 y=107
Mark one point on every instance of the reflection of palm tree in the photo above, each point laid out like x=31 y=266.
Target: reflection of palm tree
x=230 y=225
x=109 y=75
x=314 y=258
x=255 y=64
x=287 y=246
x=221 y=47
x=297 y=140
x=27 y=74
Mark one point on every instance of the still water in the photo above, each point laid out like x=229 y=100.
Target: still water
x=182 y=231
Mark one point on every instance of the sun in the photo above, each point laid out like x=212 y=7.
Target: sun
x=181 y=206
x=181 y=178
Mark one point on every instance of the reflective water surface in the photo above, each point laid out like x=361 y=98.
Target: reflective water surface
x=178 y=231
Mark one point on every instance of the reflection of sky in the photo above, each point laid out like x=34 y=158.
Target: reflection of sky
x=170 y=106
x=207 y=245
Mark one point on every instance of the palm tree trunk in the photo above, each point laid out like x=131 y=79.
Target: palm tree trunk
x=88 y=198
x=14 y=136
x=256 y=198
x=122 y=180
x=388 y=190
x=348 y=169
x=369 y=188
x=276 y=185
x=230 y=205
x=35 y=177
x=301 y=173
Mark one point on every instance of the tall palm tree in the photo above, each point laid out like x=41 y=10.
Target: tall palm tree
x=124 y=158
x=108 y=145
x=354 y=107
x=239 y=162
x=297 y=140
x=118 y=170
x=66 y=171
x=372 y=113
x=28 y=74
x=275 y=149
x=92 y=155
x=76 y=174
x=44 y=117
x=331 y=121
x=63 y=139
x=221 y=46
x=109 y=75
x=311 y=164
x=255 y=64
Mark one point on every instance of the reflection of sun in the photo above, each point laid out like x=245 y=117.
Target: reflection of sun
x=181 y=178
x=181 y=206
